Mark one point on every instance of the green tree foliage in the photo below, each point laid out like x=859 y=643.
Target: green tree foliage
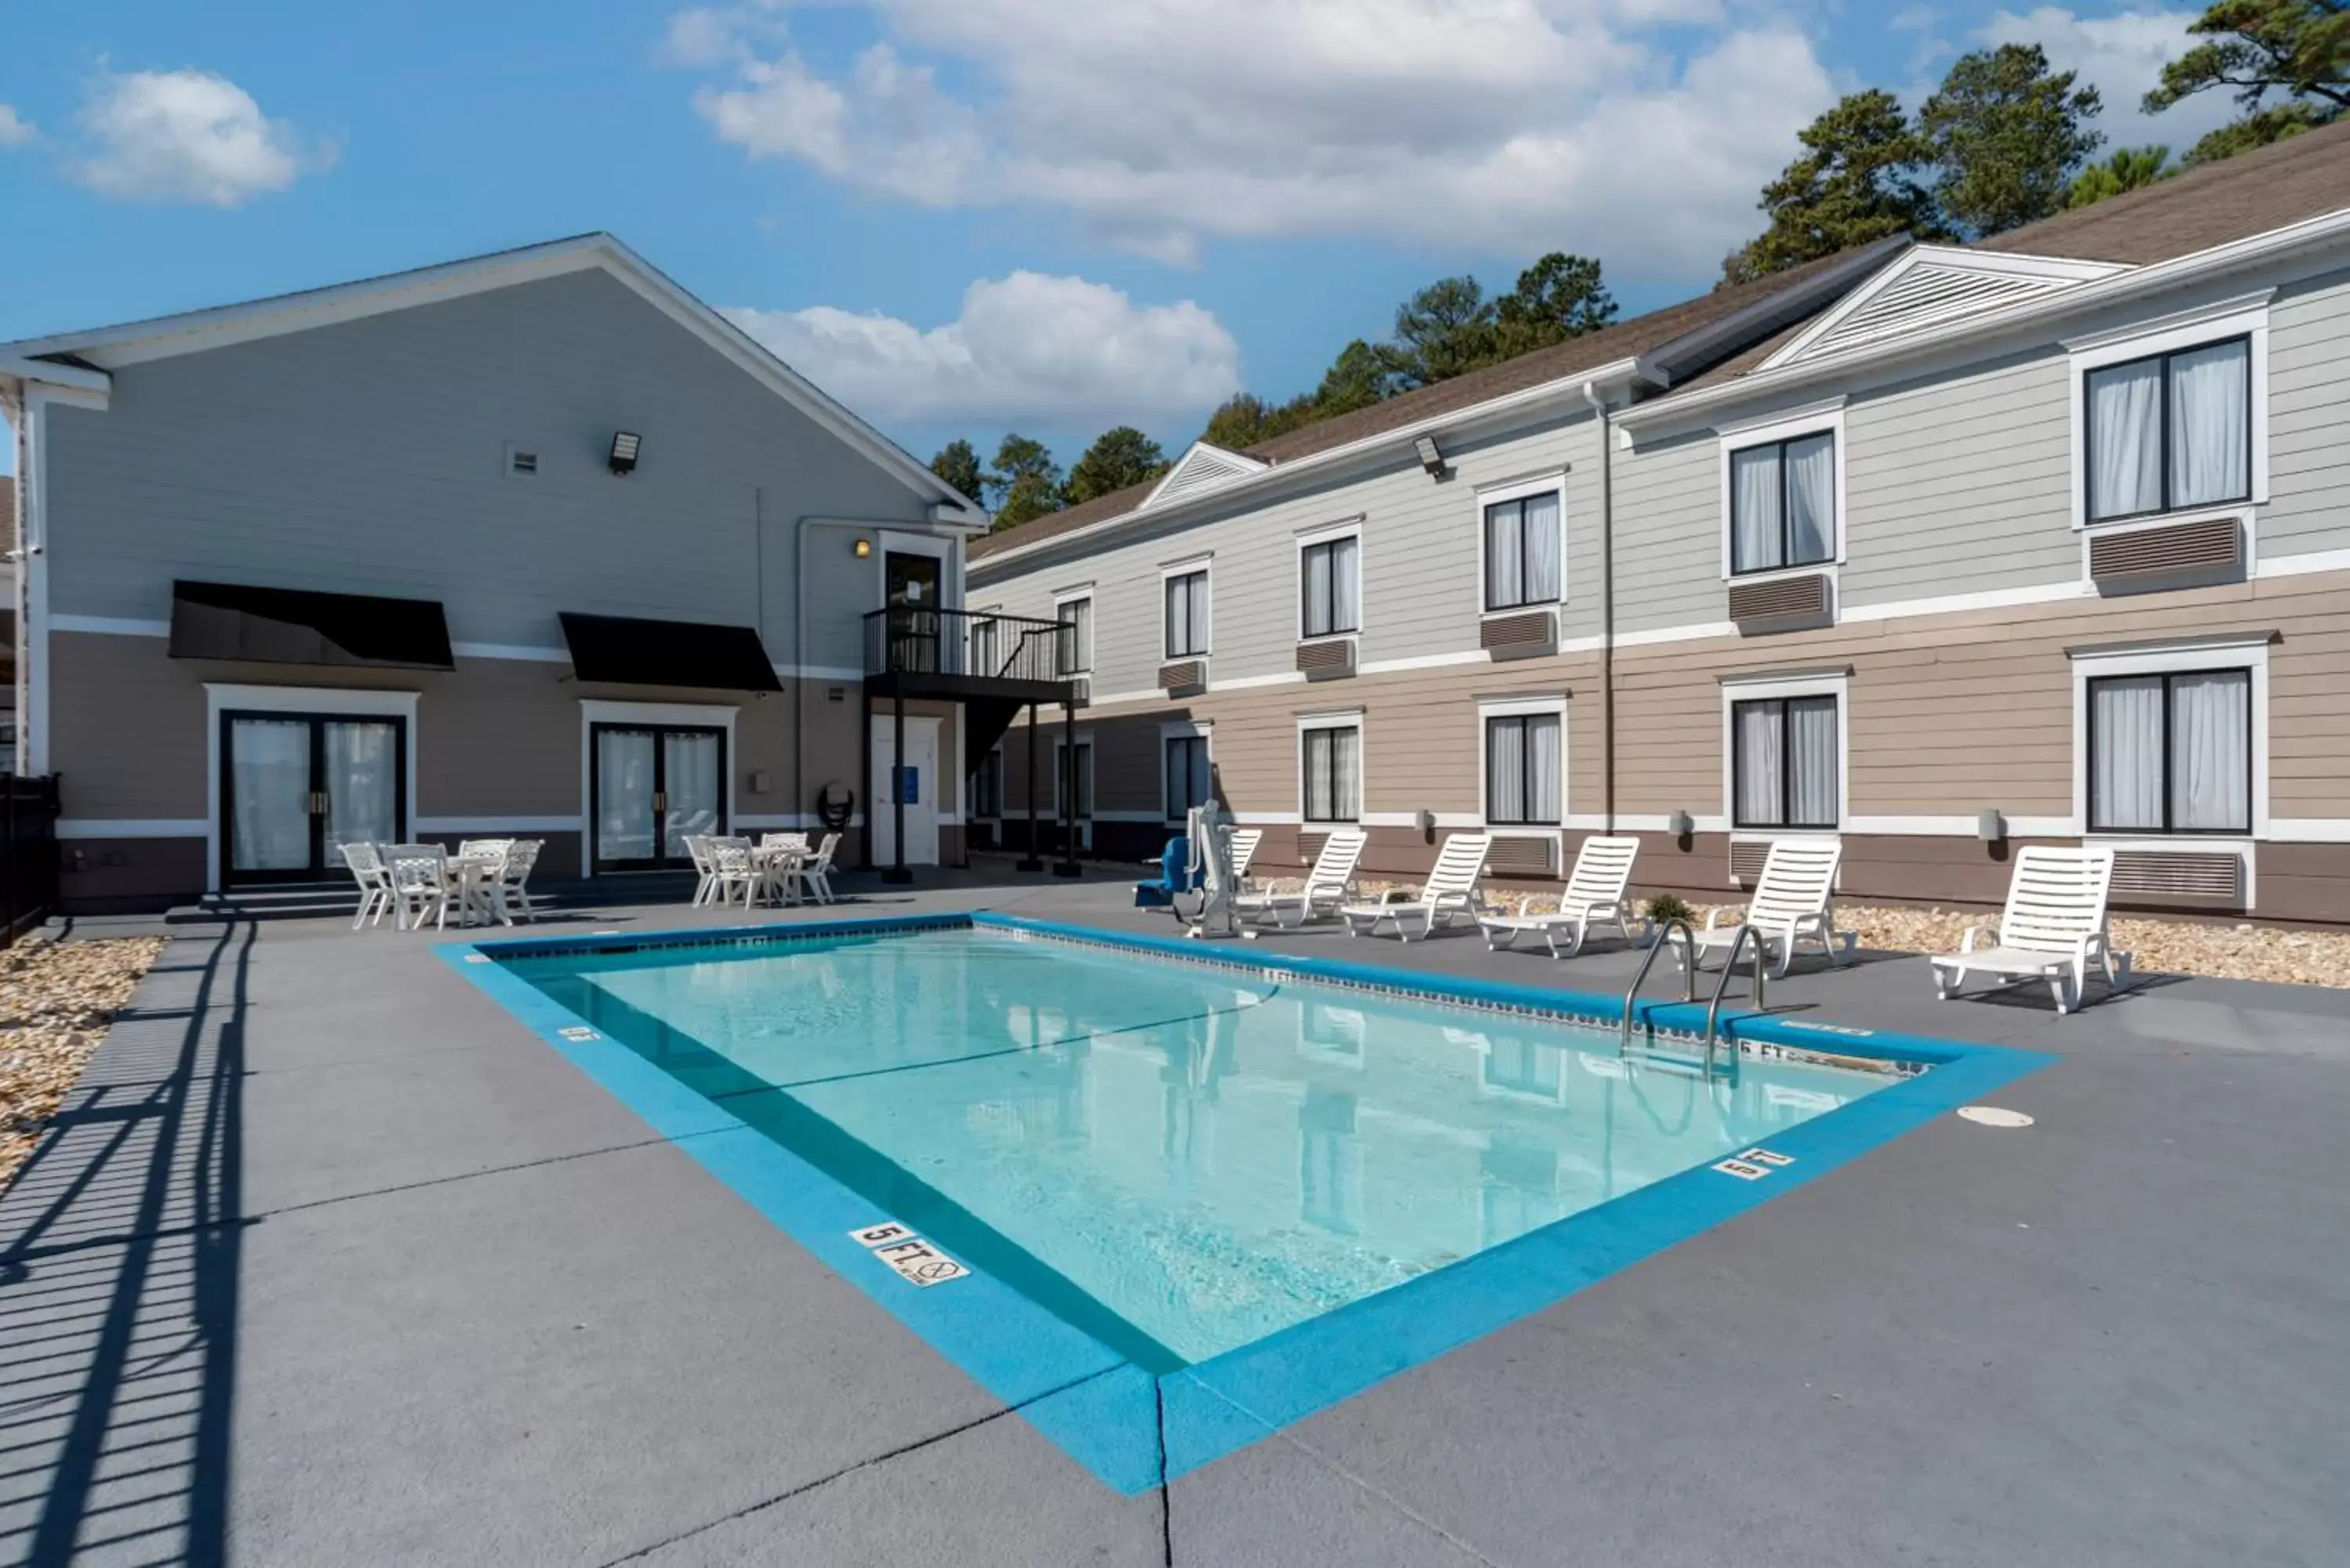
x=1359 y=378
x=1441 y=332
x=1119 y=456
x=2298 y=50
x=1024 y=483
x=2006 y=135
x=1558 y=298
x=1244 y=419
x=2129 y=169
x=1858 y=180
x=958 y=465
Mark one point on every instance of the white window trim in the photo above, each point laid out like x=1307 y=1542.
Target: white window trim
x=1061 y=601
x=2245 y=315
x=1820 y=419
x=1184 y=730
x=1060 y=746
x=2251 y=653
x=1518 y=490
x=595 y=711
x=943 y=549
x=1200 y=566
x=1747 y=689
x=221 y=697
x=1514 y=707
x=1340 y=719
x=1352 y=528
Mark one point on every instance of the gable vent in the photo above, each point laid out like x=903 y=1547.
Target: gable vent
x=1201 y=468
x=2214 y=543
x=1927 y=294
x=2179 y=875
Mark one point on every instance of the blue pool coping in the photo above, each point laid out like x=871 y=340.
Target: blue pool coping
x=1135 y=1429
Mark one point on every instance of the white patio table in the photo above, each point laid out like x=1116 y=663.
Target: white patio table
x=778 y=866
x=473 y=882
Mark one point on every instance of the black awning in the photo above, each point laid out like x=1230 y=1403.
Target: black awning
x=287 y=626
x=634 y=653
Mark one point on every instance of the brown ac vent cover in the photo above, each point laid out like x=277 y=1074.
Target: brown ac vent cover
x=1309 y=845
x=1081 y=692
x=1780 y=598
x=1335 y=654
x=2214 y=543
x=1522 y=856
x=2181 y=875
x=1510 y=633
x=1184 y=677
x=1746 y=857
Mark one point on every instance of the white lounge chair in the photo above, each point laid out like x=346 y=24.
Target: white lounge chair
x=2055 y=923
x=1594 y=896
x=1244 y=843
x=375 y=883
x=1451 y=890
x=420 y=884
x=1328 y=886
x=1794 y=903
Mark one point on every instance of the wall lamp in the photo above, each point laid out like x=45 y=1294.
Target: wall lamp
x=623 y=458
x=1430 y=458
x=864 y=548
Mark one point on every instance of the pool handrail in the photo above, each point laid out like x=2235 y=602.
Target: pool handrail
x=1689 y=977
x=1722 y=987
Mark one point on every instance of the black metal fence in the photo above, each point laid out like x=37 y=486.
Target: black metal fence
x=917 y=639
x=29 y=853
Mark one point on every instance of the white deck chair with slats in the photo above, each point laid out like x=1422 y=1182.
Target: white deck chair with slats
x=1328 y=886
x=1794 y=903
x=1594 y=896
x=366 y=862
x=1451 y=890
x=2054 y=925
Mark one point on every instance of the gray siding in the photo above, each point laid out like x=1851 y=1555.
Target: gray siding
x=2309 y=419
x=369 y=456
x=1668 y=534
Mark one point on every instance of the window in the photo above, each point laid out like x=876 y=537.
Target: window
x=1187 y=614
x=2171 y=753
x=1783 y=503
x=1073 y=654
x=987 y=787
x=1522 y=767
x=1085 y=776
x=1189 y=783
x=1333 y=762
x=1522 y=551
x=1784 y=763
x=986 y=645
x=2169 y=430
x=1327 y=574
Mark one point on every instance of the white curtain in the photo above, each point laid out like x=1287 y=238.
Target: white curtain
x=362 y=788
x=1812 y=761
x=1346 y=749
x=624 y=794
x=1331 y=780
x=1345 y=590
x=1543 y=575
x=2126 y=439
x=1186 y=614
x=1081 y=615
x=1811 y=499
x=2211 y=751
x=1317 y=591
x=1505 y=564
x=1754 y=509
x=694 y=790
x=1542 y=772
x=269 y=778
x=2210 y=438
x=2126 y=717
x=1505 y=769
x=1759 y=732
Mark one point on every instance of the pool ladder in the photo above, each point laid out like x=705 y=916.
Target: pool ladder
x=1746 y=933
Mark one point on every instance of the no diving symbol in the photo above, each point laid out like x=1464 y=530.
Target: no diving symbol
x=915 y=1260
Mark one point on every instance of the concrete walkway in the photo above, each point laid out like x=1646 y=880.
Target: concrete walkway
x=331 y=1262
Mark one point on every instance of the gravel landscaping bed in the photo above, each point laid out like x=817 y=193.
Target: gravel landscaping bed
x=55 y=1002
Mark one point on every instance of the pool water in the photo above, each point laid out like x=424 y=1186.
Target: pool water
x=1178 y=1158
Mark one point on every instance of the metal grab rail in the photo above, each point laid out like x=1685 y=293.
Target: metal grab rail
x=1721 y=986
x=1689 y=977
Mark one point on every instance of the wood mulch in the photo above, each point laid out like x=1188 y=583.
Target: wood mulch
x=57 y=999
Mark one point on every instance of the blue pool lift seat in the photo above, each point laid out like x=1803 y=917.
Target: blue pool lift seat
x=1173 y=878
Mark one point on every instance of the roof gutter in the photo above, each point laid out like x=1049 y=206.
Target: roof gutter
x=49 y=372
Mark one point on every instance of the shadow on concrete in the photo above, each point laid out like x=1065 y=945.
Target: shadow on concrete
x=119 y=1268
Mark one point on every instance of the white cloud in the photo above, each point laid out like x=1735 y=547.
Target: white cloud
x=1025 y=346
x=1510 y=126
x=16 y=131
x=187 y=136
x=2122 y=56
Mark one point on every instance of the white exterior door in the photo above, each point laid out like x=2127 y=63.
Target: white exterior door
x=920 y=791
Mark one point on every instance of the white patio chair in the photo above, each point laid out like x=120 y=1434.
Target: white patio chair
x=697 y=844
x=366 y=862
x=1594 y=896
x=420 y=885
x=814 y=873
x=783 y=841
x=730 y=871
x=1793 y=902
x=2055 y=923
x=1451 y=890
x=1328 y=886
x=486 y=848
x=511 y=890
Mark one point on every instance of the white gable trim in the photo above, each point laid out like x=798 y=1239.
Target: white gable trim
x=1930 y=285
x=1201 y=468
x=137 y=342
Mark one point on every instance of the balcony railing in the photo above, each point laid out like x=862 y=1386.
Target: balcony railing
x=915 y=639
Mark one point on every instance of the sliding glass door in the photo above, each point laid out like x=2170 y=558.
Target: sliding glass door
x=297 y=787
x=654 y=784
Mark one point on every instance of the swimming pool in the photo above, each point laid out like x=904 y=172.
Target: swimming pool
x=1248 y=1183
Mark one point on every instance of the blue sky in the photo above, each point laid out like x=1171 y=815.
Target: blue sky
x=961 y=216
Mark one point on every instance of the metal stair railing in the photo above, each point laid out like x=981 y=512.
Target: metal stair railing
x=1689 y=977
x=1721 y=986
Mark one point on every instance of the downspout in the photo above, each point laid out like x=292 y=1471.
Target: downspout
x=1599 y=409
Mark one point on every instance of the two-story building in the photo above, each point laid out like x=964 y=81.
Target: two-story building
x=1938 y=549
x=535 y=544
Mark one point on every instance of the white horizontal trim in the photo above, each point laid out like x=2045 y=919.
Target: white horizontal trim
x=784 y=821
x=389 y=703
x=1953 y=604
x=2202 y=318
x=111 y=626
x=1654 y=822
x=1267 y=818
x=1960 y=827
x=131 y=827
x=2154 y=657
x=1824 y=413
x=1695 y=632
x=2304 y=564
x=1103 y=698
x=819 y=672
x=1424 y=661
x=707 y=715
x=2309 y=830
x=489 y=824
x=511 y=651
x=1127 y=816
x=1248 y=682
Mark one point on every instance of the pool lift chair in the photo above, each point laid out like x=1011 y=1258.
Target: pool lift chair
x=1207 y=867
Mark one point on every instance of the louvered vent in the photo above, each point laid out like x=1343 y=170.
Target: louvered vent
x=1746 y=857
x=1522 y=856
x=2179 y=875
x=1780 y=598
x=1511 y=636
x=1184 y=678
x=1309 y=844
x=1203 y=468
x=1333 y=656
x=1924 y=296
x=2214 y=543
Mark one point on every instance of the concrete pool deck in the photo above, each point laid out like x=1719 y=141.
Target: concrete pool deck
x=331 y=1261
